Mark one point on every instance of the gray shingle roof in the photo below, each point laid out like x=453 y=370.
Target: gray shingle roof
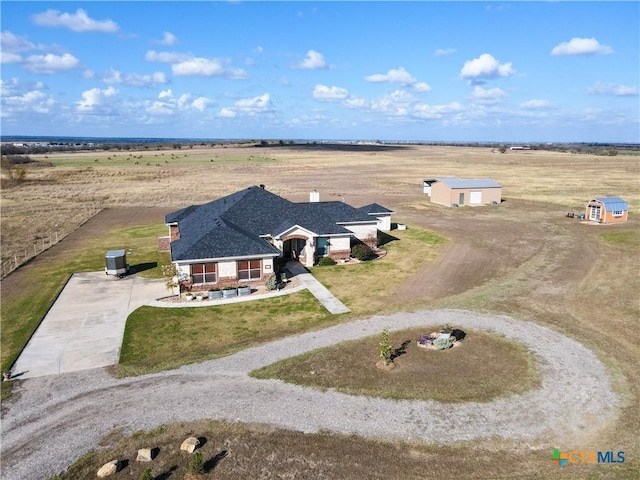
x=232 y=226
x=374 y=208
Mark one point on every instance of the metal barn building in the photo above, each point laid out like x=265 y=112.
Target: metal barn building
x=451 y=191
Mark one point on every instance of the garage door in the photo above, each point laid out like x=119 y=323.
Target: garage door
x=475 y=197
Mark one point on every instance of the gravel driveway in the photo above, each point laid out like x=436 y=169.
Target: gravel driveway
x=57 y=418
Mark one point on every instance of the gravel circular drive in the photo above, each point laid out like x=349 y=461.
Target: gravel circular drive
x=58 y=418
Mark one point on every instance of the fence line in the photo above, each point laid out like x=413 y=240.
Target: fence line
x=44 y=243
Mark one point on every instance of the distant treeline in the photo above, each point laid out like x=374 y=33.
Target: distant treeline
x=24 y=146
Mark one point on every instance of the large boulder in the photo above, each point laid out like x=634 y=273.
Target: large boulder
x=109 y=468
x=190 y=444
x=144 y=455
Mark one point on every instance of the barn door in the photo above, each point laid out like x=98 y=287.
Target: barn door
x=475 y=198
x=595 y=213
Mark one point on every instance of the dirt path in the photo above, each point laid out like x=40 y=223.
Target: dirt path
x=58 y=418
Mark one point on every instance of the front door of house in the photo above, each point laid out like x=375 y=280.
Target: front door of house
x=461 y=199
x=294 y=248
x=594 y=213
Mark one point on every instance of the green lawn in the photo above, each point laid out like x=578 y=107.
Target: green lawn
x=162 y=338
x=157 y=338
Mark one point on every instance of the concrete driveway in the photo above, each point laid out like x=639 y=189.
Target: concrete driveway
x=84 y=327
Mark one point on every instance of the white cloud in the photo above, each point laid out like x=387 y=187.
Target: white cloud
x=97 y=101
x=396 y=104
x=485 y=66
x=613 y=89
x=422 y=87
x=313 y=60
x=158 y=108
x=166 y=57
x=399 y=75
x=483 y=95
x=169 y=39
x=436 y=111
x=206 y=67
x=227 y=113
x=113 y=76
x=255 y=104
x=248 y=106
x=8 y=57
x=322 y=92
x=535 y=103
x=441 y=52
x=10 y=43
x=201 y=103
x=51 y=63
x=77 y=22
x=32 y=101
x=168 y=105
x=356 y=102
x=581 y=46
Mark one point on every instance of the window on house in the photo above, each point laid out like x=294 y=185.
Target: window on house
x=249 y=270
x=617 y=213
x=322 y=246
x=204 y=273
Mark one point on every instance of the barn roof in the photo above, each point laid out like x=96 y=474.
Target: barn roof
x=469 y=183
x=612 y=203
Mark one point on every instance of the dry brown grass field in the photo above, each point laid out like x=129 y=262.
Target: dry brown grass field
x=59 y=197
x=523 y=258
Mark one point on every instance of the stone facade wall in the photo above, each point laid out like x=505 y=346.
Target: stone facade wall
x=164 y=244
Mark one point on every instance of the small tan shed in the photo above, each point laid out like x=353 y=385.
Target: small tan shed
x=459 y=191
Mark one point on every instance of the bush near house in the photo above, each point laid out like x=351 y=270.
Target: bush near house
x=325 y=261
x=363 y=252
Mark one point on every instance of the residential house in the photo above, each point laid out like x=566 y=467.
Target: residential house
x=238 y=238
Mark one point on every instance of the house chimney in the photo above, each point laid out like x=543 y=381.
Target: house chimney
x=314 y=196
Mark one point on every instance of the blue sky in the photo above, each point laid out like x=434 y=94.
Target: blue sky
x=427 y=71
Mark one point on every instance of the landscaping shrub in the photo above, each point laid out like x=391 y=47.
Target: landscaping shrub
x=386 y=350
x=271 y=283
x=363 y=252
x=196 y=464
x=325 y=261
x=146 y=474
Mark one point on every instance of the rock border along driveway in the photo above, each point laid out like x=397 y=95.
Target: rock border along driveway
x=61 y=417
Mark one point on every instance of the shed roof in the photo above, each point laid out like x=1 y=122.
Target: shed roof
x=469 y=183
x=612 y=203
